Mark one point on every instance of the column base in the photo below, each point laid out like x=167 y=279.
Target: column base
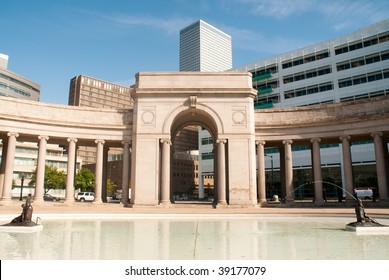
x=319 y=202
x=165 y=204
x=290 y=201
x=38 y=201
x=69 y=202
x=97 y=202
x=221 y=204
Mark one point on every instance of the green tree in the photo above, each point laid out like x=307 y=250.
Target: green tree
x=85 y=180
x=111 y=187
x=54 y=179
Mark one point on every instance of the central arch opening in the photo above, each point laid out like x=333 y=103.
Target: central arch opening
x=192 y=159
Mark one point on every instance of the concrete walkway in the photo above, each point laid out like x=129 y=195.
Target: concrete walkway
x=187 y=208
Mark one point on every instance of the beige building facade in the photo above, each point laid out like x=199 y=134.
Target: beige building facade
x=164 y=103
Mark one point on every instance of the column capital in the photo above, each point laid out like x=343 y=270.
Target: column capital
x=376 y=133
x=9 y=134
x=221 y=141
x=260 y=142
x=101 y=141
x=165 y=140
x=344 y=137
x=127 y=140
x=316 y=139
x=288 y=141
x=72 y=140
x=43 y=137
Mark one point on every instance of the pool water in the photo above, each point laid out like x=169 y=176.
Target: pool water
x=210 y=238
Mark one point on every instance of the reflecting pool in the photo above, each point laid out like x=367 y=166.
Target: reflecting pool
x=202 y=238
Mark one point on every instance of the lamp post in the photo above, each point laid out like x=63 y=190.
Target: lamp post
x=272 y=171
x=22 y=175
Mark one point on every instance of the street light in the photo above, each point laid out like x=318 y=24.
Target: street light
x=22 y=175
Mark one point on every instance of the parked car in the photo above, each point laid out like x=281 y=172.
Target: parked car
x=364 y=193
x=85 y=196
x=49 y=197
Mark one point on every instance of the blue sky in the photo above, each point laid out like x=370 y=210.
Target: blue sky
x=50 y=42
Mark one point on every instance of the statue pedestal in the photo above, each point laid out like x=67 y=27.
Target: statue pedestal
x=367 y=228
x=21 y=229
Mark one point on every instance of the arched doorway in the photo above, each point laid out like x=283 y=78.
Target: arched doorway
x=194 y=135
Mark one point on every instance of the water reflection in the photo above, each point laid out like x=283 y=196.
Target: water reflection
x=193 y=239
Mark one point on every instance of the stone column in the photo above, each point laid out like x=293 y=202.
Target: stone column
x=288 y=170
x=261 y=171
x=105 y=175
x=380 y=166
x=125 y=172
x=69 y=198
x=9 y=166
x=347 y=167
x=2 y=166
x=221 y=172
x=282 y=172
x=99 y=171
x=165 y=186
x=317 y=175
x=40 y=169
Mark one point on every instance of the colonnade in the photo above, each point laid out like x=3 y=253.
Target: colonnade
x=7 y=168
x=286 y=166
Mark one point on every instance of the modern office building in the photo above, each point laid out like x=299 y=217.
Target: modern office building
x=86 y=91
x=15 y=85
x=204 y=48
x=351 y=67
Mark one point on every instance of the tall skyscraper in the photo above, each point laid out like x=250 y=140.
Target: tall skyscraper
x=204 y=48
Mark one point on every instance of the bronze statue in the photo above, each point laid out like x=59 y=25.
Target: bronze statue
x=24 y=219
x=362 y=219
x=360 y=213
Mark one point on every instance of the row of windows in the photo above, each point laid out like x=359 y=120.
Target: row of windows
x=365 y=95
x=306 y=59
x=344 y=65
x=308 y=90
x=307 y=75
x=205 y=156
x=383 y=37
x=105 y=85
x=207 y=141
x=366 y=78
x=263 y=71
x=18 y=91
x=21 y=150
x=57 y=164
x=268 y=100
x=25 y=161
x=190 y=175
x=267 y=84
x=18 y=82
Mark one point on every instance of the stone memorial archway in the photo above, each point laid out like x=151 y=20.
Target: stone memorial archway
x=221 y=102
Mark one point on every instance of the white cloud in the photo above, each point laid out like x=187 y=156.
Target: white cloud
x=246 y=39
x=279 y=8
x=169 y=25
x=340 y=14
